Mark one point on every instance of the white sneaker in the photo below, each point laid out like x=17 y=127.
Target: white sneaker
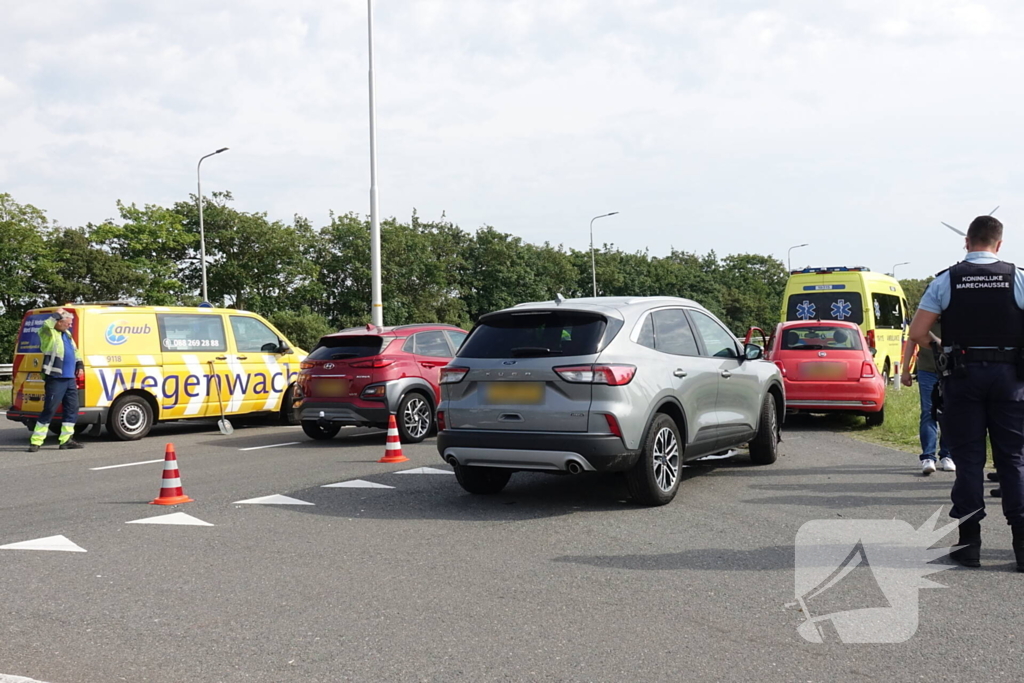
x=927 y=467
x=947 y=465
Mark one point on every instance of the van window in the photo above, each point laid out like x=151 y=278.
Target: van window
x=888 y=311
x=535 y=334
x=190 y=333
x=346 y=348
x=251 y=335
x=833 y=305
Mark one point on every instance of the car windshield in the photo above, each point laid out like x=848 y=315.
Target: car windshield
x=343 y=348
x=818 y=337
x=535 y=334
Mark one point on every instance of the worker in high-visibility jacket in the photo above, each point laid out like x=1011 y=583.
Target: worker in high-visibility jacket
x=62 y=365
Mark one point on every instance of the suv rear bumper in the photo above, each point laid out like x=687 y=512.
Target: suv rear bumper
x=333 y=412
x=535 y=451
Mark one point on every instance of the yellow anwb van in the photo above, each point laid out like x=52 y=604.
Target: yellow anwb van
x=145 y=364
x=872 y=300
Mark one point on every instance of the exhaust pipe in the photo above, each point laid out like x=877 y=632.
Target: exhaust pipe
x=574 y=467
x=453 y=461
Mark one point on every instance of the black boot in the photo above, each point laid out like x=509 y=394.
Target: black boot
x=970 y=538
x=1018 y=546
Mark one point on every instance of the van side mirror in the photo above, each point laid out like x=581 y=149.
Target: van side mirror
x=753 y=352
x=284 y=348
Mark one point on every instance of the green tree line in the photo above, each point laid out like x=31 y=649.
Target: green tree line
x=312 y=280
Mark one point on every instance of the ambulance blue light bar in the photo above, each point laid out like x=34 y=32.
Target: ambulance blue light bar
x=830 y=269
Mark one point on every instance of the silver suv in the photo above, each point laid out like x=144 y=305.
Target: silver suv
x=636 y=385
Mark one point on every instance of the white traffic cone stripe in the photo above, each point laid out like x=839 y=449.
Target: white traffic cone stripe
x=171 y=483
x=170 y=464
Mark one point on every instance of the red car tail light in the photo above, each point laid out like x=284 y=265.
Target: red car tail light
x=80 y=380
x=373 y=363
x=781 y=366
x=868 y=369
x=306 y=365
x=613 y=424
x=441 y=424
x=612 y=375
x=453 y=375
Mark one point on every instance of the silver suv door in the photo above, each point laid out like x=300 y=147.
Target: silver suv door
x=739 y=388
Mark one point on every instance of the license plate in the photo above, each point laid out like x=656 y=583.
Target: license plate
x=823 y=371
x=330 y=388
x=515 y=393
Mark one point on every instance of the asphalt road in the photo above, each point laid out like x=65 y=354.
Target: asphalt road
x=555 y=579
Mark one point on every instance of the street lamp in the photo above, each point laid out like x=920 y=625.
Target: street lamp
x=789 y=255
x=898 y=264
x=202 y=232
x=593 y=260
x=376 y=303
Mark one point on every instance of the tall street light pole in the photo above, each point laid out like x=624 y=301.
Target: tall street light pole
x=202 y=231
x=789 y=255
x=593 y=259
x=905 y=263
x=377 y=306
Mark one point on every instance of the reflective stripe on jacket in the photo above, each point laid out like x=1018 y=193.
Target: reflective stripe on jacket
x=51 y=344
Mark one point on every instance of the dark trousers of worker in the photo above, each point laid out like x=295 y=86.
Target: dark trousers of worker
x=57 y=391
x=987 y=399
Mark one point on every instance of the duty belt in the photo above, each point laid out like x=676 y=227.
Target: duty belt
x=989 y=355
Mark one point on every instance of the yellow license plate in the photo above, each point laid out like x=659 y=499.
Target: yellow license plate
x=515 y=393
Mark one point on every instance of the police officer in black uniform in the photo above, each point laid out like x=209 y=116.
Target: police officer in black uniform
x=981 y=300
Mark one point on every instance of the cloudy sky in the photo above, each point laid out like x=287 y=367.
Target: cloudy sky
x=732 y=125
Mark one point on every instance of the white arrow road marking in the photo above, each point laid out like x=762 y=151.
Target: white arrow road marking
x=424 y=470
x=127 y=464
x=179 y=518
x=273 y=445
x=48 y=543
x=4 y=678
x=276 y=499
x=356 y=484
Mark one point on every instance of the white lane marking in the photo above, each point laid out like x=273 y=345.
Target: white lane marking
x=424 y=470
x=4 y=678
x=273 y=445
x=356 y=484
x=48 y=543
x=272 y=500
x=179 y=518
x=719 y=457
x=127 y=464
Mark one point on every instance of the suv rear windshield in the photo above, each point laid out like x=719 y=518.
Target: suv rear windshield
x=535 y=335
x=343 y=348
x=818 y=337
x=834 y=305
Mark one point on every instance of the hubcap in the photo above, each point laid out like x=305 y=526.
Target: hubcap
x=666 y=459
x=416 y=418
x=132 y=419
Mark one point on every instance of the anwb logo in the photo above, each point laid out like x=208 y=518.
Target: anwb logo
x=857 y=580
x=118 y=331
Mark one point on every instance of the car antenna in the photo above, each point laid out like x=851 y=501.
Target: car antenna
x=559 y=299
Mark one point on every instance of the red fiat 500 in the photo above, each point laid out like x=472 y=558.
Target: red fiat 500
x=827 y=368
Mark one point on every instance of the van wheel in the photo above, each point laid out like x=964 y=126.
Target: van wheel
x=289 y=415
x=315 y=431
x=764 y=447
x=130 y=418
x=875 y=419
x=415 y=417
x=482 y=481
x=654 y=479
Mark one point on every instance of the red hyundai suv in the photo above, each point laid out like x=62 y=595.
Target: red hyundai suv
x=361 y=375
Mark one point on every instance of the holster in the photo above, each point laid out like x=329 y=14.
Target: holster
x=938 y=401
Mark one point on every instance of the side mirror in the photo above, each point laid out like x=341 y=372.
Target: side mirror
x=284 y=348
x=753 y=352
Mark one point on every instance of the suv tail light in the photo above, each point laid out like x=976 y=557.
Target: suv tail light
x=306 y=365
x=441 y=424
x=781 y=366
x=373 y=363
x=453 y=375
x=868 y=369
x=613 y=425
x=612 y=375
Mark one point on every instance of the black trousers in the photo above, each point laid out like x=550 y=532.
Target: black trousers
x=987 y=400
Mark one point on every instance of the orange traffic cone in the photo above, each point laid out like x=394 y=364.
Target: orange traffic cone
x=393 y=451
x=171 y=492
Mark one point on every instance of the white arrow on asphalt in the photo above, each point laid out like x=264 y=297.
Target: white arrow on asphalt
x=48 y=543
x=276 y=499
x=179 y=518
x=424 y=470
x=356 y=484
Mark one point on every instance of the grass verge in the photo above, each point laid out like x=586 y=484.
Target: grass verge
x=5 y=398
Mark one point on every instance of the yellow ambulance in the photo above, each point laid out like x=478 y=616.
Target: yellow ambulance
x=874 y=301
x=148 y=364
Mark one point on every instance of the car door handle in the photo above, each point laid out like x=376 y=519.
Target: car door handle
x=242 y=357
x=726 y=374
x=222 y=357
x=680 y=373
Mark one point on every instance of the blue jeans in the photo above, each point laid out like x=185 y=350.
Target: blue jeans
x=929 y=431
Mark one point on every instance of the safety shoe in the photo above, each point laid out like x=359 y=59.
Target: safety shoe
x=969 y=555
x=946 y=464
x=70 y=445
x=927 y=467
x=32 y=448
x=1018 y=546
x=993 y=476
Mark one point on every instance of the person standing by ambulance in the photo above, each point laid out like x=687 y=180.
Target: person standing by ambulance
x=981 y=300
x=62 y=365
x=927 y=378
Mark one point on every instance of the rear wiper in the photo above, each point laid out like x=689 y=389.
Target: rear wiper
x=522 y=351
